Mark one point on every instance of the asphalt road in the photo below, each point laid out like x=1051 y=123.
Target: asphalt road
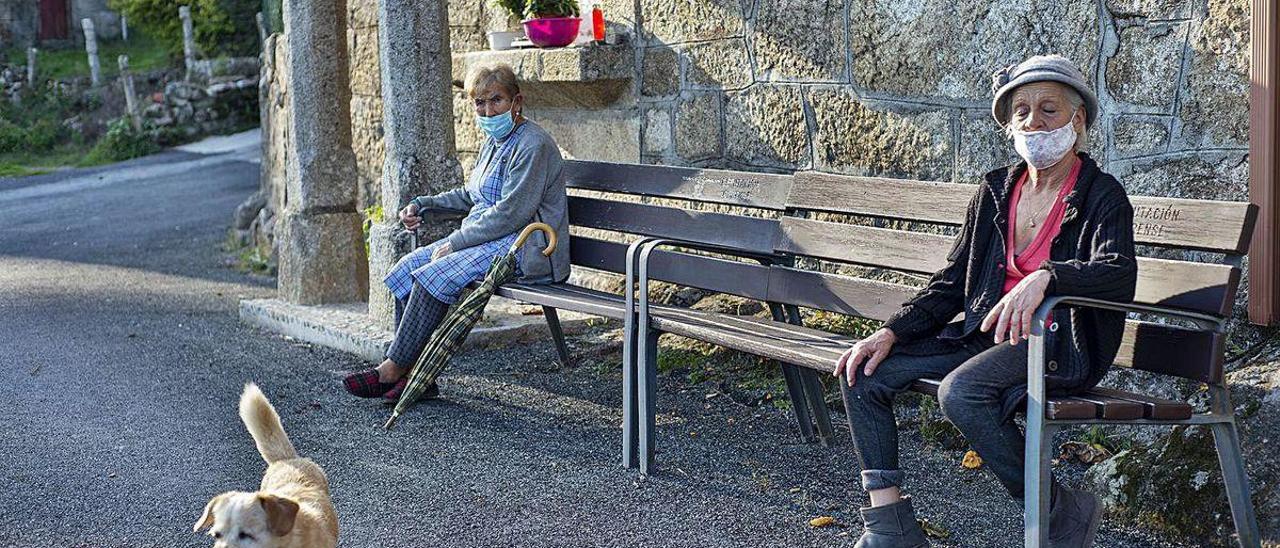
x=121 y=360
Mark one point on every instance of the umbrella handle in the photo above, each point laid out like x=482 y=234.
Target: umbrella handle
x=546 y=229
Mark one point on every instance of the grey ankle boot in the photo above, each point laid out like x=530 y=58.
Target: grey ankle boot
x=892 y=526
x=1074 y=519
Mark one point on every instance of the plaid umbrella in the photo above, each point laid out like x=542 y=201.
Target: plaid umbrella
x=453 y=330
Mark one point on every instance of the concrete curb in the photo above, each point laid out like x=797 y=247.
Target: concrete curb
x=349 y=328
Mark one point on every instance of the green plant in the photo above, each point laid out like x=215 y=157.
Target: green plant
x=222 y=27
x=550 y=8
x=513 y=7
x=372 y=215
x=1097 y=435
x=120 y=143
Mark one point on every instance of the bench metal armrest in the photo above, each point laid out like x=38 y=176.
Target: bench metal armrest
x=436 y=214
x=1036 y=345
x=641 y=251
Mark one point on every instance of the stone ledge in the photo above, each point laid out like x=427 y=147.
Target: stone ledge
x=590 y=76
x=347 y=327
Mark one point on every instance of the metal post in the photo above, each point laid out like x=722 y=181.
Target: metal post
x=91 y=47
x=1036 y=472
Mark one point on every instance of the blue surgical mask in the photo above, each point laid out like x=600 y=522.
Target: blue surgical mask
x=498 y=125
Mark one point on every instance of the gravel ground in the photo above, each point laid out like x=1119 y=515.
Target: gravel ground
x=123 y=359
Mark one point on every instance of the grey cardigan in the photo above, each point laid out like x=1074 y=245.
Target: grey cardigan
x=533 y=192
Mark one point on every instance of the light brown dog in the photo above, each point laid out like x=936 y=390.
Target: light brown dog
x=291 y=509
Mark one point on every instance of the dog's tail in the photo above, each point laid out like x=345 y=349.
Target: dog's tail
x=264 y=425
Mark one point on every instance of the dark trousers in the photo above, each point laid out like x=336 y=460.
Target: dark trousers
x=974 y=380
x=416 y=319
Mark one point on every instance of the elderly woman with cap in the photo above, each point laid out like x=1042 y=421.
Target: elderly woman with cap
x=516 y=181
x=1053 y=224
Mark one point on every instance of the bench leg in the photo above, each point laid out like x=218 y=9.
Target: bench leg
x=818 y=405
x=646 y=392
x=1037 y=482
x=799 y=401
x=1227 y=440
x=817 y=394
x=553 y=323
x=630 y=421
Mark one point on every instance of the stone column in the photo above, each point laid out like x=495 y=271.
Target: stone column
x=130 y=101
x=322 y=258
x=413 y=38
x=188 y=40
x=91 y=47
x=31 y=67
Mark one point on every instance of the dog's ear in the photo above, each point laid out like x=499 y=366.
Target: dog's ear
x=281 y=513
x=206 y=519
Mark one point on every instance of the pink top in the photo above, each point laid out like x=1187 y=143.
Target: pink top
x=1017 y=267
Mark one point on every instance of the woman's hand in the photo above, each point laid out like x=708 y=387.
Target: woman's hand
x=874 y=349
x=441 y=250
x=1012 y=315
x=409 y=216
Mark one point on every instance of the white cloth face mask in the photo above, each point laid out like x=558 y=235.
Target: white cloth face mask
x=1044 y=149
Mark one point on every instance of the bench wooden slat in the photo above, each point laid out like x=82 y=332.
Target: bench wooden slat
x=751 y=234
x=761 y=190
x=819 y=350
x=1170 y=350
x=847 y=295
x=1153 y=408
x=568 y=297
x=710 y=273
x=1207 y=225
x=1203 y=287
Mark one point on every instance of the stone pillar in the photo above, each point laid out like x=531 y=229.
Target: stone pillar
x=322 y=258
x=130 y=100
x=413 y=38
x=91 y=47
x=31 y=67
x=188 y=40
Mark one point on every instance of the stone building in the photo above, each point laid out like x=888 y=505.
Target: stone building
x=34 y=22
x=867 y=87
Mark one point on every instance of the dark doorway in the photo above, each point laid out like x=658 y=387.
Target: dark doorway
x=53 y=20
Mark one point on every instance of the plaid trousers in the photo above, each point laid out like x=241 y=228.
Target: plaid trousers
x=446 y=278
x=416 y=319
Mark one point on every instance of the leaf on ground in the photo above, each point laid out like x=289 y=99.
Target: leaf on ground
x=822 y=521
x=971 y=460
x=933 y=530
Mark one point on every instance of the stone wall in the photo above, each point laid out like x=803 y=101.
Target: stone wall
x=19 y=20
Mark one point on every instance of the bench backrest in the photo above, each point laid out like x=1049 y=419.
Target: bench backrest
x=753 y=234
x=1201 y=225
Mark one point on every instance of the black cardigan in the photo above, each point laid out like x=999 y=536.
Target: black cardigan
x=1093 y=256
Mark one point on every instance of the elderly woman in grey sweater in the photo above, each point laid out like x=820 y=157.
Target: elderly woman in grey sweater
x=1053 y=224
x=516 y=181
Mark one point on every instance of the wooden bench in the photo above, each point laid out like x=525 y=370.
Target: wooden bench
x=613 y=207
x=779 y=235
x=1199 y=293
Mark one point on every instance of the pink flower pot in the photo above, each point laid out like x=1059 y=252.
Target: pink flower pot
x=552 y=32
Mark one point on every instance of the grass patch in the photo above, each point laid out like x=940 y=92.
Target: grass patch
x=248 y=258
x=145 y=54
